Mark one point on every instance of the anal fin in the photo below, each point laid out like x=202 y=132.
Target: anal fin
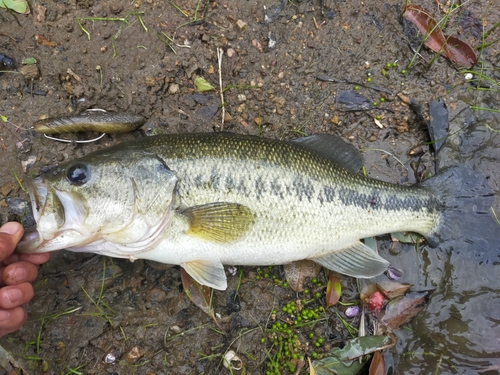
x=207 y=273
x=357 y=260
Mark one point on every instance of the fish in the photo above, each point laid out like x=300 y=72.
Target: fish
x=206 y=200
x=91 y=120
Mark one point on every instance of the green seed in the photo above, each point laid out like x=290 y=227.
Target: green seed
x=314 y=281
x=368 y=79
x=321 y=340
x=262 y=340
x=374 y=104
x=382 y=100
x=311 y=335
x=306 y=291
x=403 y=71
x=388 y=65
x=356 y=87
x=257 y=277
x=318 y=294
x=394 y=64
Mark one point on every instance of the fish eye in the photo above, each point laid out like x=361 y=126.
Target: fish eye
x=78 y=174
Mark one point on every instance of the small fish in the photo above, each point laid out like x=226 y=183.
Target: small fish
x=91 y=120
x=205 y=200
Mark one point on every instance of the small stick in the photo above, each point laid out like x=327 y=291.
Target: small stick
x=219 y=57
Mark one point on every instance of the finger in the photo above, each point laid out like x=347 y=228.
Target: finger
x=12 y=319
x=35 y=258
x=10 y=234
x=19 y=272
x=15 y=295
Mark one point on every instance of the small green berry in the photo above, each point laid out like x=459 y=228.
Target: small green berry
x=394 y=64
x=378 y=117
x=311 y=335
x=314 y=281
x=306 y=291
x=403 y=71
x=388 y=65
x=262 y=340
x=321 y=340
x=356 y=87
x=257 y=277
x=317 y=295
x=382 y=100
x=368 y=79
x=374 y=104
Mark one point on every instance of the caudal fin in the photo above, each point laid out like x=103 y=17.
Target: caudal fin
x=467 y=216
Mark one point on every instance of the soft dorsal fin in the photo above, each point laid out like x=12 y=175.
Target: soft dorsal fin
x=357 y=260
x=207 y=273
x=219 y=222
x=334 y=148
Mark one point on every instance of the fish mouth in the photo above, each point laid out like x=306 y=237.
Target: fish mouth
x=57 y=218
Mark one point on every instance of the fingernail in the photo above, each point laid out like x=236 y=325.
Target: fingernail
x=20 y=274
x=14 y=295
x=4 y=314
x=10 y=228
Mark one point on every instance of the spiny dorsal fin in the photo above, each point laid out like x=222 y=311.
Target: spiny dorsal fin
x=357 y=260
x=207 y=273
x=334 y=148
x=219 y=222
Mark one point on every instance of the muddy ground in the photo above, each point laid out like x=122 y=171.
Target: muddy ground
x=283 y=74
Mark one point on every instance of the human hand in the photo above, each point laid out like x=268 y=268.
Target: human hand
x=17 y=271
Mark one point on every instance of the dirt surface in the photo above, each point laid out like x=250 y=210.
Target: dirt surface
x=283 y=79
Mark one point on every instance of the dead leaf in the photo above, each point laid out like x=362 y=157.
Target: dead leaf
x=401 y=310
x=41 y=39
x=377 y=366
x=197 y=293
x=333 y=290
x=297 y=273
x=452 y=48
x=392 y=289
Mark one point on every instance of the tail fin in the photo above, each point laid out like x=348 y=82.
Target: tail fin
x=467 y=215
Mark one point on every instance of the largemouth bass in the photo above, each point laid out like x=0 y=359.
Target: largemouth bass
x=204 y=200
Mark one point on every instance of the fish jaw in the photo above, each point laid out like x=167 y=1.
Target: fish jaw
x=59 y=216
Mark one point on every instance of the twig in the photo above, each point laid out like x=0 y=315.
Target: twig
x=219 y=57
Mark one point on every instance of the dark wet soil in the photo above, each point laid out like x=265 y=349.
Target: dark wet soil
x=283 y=79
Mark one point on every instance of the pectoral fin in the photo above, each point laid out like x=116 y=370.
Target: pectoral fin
x=207 y=273
x=357 y=260
x=219 y=222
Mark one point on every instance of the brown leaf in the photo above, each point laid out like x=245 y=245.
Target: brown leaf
x=197 y=293
x=452 y=48
x=400 y=311
x=377 y=366
x=333 y=290
x=297 y=273
x=392 y=289
x=460 y=52
x=41 y=39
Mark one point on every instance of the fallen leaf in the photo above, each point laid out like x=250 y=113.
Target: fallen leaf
x=344 y=361
x=392 y=289
x=401 y=310
x=333 y=290
x=377 y=366
x=41 y=39
x=202 y=85
x=197 y=293
x=19 y=6
x=452 y=48
x=297 y=273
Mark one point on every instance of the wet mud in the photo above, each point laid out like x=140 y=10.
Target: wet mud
x=287 y=71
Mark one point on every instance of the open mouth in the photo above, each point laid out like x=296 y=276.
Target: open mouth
x=37 y=190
